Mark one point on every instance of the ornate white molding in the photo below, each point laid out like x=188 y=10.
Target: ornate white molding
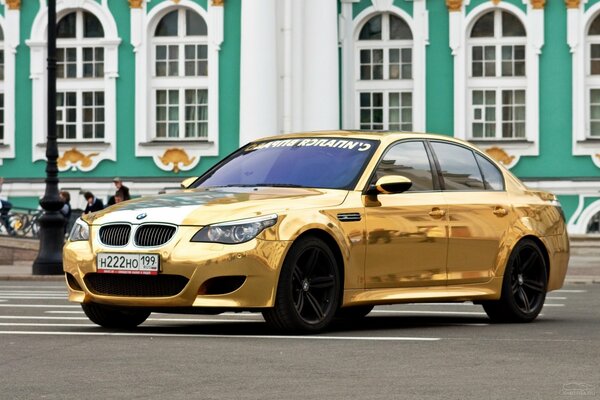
x=10 y=25
x=578 y=23
x=460 y=25
x=143 y=24
x=107 y=148
x=419 y=25
x=581 y=217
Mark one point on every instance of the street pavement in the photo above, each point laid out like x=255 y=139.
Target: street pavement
x=50 y=350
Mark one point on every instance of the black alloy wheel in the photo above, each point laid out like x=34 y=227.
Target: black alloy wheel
x=309 y=287
x=524 y=286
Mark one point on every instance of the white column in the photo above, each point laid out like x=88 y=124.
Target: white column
x=320 y=53
x=258 y=71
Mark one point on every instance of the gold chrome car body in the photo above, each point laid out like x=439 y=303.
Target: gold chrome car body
x=407 y=247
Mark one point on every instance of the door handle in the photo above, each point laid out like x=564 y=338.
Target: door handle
x=500 y=211
x=437 y=212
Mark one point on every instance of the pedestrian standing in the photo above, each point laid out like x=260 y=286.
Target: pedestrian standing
x=93 y=204
x=122 y=192
x=66 y=209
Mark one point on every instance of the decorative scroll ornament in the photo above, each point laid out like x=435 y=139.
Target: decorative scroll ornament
x=538 y=4
x=454 y=5
x=572 y=3
x=136 y=3
x=74 y=159
x=500 y=155
x=217 y=3
x=176 y=1
x=175 y=159
x=496 y=2
x=13 y=4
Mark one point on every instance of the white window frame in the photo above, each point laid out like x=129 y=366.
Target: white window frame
x=578 y=24
x=96 y=150
x=352 y=85
x=10 y=25
x=384 y=85
x=143 y=26
x=461 y=25
x=79 y=84
x=181 y=82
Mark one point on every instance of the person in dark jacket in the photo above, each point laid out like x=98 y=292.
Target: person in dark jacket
x=66 y=209
x=122 y=192
x=93 y=204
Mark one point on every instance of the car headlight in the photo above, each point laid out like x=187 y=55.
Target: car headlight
x=80 y=231
x=235 y=231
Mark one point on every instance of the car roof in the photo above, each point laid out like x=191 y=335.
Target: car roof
x=384 y=136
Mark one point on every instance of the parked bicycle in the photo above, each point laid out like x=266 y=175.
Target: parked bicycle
x=21 y=222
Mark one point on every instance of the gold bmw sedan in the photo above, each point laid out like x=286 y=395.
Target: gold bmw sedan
x=310 y=227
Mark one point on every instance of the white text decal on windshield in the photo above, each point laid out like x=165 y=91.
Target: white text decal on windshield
x=335 y=143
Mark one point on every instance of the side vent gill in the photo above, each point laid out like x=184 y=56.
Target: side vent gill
x=349 y=217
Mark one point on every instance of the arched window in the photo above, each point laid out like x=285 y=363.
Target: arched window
x=384 y=77
x=593 y=78
x=179 y=83
x=497 y=79
x=1 y=85
x=80 y=102
x=594 y=224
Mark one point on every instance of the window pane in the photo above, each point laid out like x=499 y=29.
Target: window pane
x=459 y=168
x=195 y=24
x=371 y=30
x=408 y=159
x=168 y=25
x=399 y=29
x=595 y=27
x=484 y=27
x=1 y=34
x=92 y=28
x=491 y=174
x=511 y=26
x=67 y=26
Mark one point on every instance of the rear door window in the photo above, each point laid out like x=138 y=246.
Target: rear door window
x=492 y=177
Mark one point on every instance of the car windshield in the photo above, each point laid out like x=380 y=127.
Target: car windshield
x=332 y=163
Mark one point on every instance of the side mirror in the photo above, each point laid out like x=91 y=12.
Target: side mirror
x=392 y=184
x=188 y=181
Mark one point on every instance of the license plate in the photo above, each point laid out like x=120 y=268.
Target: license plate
x=128 y=263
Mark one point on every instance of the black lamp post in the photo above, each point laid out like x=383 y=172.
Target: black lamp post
x=49 y=259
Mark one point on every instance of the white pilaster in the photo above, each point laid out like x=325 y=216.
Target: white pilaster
x=11 y=27
x=320 y=62
x=258 y=71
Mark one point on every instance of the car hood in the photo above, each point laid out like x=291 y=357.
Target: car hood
x=207 y=206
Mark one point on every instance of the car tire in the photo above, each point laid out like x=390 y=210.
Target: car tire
x=524 y=286
x=355 y=312
x=308 y=292
x=114 y=317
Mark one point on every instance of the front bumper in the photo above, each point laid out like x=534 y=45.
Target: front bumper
x=254 y=264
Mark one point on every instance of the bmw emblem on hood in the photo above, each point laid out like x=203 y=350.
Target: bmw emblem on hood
x=141 y=216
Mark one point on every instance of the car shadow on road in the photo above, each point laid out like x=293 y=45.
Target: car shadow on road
x=258 y=327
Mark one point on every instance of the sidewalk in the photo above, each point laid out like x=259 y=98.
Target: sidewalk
x=583 y=268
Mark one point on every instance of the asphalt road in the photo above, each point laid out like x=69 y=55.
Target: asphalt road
x=49 y=350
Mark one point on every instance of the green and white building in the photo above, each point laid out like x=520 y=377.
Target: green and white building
x=157 y=90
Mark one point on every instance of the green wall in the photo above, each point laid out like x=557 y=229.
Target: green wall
x=127 y=164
